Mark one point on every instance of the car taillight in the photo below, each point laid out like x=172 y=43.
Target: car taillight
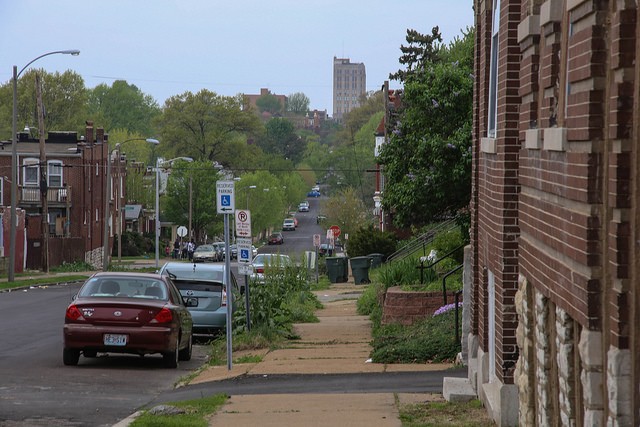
x=260 y=270
x=74 y=313
x=224 y=298
x=163 y=316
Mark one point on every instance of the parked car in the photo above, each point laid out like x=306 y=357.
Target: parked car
x=289 y=224
x=276 y=239
x=303 y=206
x=263 y=262
x=206 y=285
x=320 y=218
x=315 y=188
x=205 y=253
x=219 y=247
x=325 y=249
x=313 y=193
x=136 y=313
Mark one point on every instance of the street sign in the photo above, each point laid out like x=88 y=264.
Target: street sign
x=335 y=230
x=244 y=249
x=181 y=231
x=225 y=197
x=243 y=223
x=245 y=269
x=316 y=240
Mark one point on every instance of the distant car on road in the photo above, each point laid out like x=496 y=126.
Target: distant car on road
x=206 y=285
x=303 y=206
x=313 y=193
x=289 y=224
x=133 y=313
x=325 y=249
x=205 y=253
x=276 y=239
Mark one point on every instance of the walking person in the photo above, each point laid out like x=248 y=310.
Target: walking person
x=176 y=249
x=191 y=246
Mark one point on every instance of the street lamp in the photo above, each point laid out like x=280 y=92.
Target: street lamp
x=14 y=159
x=105 y=235
x=158 y=163
x=249 y=188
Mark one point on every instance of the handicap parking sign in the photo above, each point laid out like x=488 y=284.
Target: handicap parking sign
x=244 y=254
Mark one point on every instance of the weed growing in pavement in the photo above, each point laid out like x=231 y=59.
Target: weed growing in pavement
x=436 y=414
x=195 y=413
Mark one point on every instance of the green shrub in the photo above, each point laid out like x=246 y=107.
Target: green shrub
x=371 y=298
x=368 y=240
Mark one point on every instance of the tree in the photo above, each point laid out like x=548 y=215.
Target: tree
x=123 y=106
x=421 y=50
x=202 y=177
x=201 y=125
x=427 y=161
x=280 y=139
x=298 y=103
x=347 y=211
x=269 y=103
x=64 y=97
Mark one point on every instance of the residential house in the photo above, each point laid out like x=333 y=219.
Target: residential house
x=75 y=188
x=553 y=285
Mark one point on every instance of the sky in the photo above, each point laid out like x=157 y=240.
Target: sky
x=168 y=47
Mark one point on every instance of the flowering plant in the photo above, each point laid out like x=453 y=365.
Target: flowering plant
x=446 y=308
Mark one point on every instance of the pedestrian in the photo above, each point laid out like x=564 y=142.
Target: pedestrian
x=176 y=249
x=191 y=246
x=183 y=250
x=167 y=250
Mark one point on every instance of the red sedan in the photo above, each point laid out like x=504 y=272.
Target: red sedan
x=136 y=313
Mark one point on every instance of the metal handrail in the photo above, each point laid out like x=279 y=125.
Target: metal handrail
x=422 y=240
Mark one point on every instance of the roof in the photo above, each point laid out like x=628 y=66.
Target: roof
x=132 y=211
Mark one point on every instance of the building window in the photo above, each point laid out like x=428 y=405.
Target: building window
x=493 y=73
x=54 y=175
x=31 y=172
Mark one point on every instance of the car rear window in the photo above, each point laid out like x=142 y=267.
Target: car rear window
x=189 y=285
x=196 y=274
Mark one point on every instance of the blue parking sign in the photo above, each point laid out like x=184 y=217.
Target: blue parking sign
x=244 y=254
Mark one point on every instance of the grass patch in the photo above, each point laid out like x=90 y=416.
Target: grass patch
x=25 y=283
x=430 y=340
x=196 y=413
x=437 y=414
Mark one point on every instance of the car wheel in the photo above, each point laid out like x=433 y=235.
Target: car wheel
x=70 y=357
x=185 y=353
x=170 y=358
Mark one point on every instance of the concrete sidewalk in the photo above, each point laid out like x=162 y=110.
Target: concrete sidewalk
x=339 y=343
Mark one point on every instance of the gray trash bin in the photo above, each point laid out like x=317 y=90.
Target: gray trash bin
x=336 y=267
x=360 y=269
x=376 y=259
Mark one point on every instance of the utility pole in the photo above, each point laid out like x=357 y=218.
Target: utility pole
x=43 y=179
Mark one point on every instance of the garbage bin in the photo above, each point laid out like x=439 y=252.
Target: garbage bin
x=376 y=259
x=360 y=269
x=336 y=267
x=344 y=271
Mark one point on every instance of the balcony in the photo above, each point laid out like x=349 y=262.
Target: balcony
x=56 y=196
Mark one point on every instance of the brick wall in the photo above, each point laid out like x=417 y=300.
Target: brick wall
x=408 y=307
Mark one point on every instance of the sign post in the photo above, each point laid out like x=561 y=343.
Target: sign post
x=243 y=244
x=316 y=244
x=225 y=202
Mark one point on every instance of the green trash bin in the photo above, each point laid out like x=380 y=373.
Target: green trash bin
x=376 y=259
x=343 y=275
x=360 y=269
x=335 y=269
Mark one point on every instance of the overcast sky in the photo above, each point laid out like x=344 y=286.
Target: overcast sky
x=167 y=47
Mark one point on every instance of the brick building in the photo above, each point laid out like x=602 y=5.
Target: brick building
x=554 y=311
x=76 y=195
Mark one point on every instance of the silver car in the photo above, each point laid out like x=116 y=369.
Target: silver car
x=205 y=284
x=263 y=262
x=205 y=253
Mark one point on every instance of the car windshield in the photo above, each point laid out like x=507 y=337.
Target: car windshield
x=124 y=287
x=191 y=273
x=204 y=248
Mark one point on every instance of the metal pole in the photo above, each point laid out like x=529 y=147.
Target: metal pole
x=14 y=179
x=227 y=280
x=246 y=301
x=190 y=205
x=157 y=214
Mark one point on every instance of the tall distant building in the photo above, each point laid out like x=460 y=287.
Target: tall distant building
x=349 y=84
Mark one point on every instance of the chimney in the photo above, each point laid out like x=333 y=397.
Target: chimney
x=100 y=135
x=89 y=132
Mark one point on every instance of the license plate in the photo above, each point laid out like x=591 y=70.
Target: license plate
x=114 y=339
